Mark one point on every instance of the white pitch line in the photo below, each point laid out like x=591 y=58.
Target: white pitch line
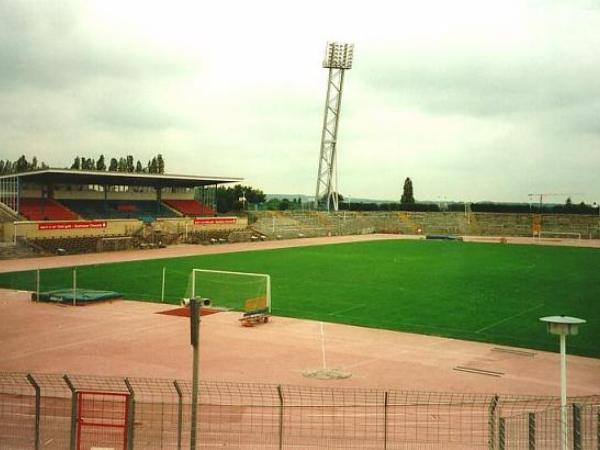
x=323 y=346
x=510 y=318
x=335 y=313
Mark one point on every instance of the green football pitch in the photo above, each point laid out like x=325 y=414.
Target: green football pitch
x=482 y=292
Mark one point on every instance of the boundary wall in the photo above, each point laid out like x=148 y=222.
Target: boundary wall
x=110 y=227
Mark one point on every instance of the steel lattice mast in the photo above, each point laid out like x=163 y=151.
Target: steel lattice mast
x=338 y=58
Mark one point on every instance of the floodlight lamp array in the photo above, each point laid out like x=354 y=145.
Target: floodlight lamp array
x=338 y=55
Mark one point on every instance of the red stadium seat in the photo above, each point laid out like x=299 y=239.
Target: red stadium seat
x=45 y=209
x=190 y=207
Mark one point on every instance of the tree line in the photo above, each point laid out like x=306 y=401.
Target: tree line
x=237 y=198
x=21 y=165
x=121 y=164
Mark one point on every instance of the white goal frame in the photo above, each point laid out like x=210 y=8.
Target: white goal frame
x=226 y=272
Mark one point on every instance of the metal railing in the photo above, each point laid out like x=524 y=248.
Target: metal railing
x=51 y=411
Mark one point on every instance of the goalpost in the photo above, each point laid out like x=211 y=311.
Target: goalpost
x=235 y=290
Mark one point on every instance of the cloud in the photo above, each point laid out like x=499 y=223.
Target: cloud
x=467 y=98
x=47 y=45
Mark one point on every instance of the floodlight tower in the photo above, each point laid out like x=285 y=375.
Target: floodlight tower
x=338 y=58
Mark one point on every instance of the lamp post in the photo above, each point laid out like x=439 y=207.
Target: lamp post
x=196 y=305
x=563 y=326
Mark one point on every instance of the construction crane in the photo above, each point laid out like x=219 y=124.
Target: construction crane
x=550 y=194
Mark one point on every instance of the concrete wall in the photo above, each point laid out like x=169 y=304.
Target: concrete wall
x=185 y=225
x=114 y=227
x=30 y=230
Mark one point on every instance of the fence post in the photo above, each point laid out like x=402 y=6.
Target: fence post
x=72 y=441
x=531 y=422
x=501 y=434
x=280 y=392
x=385 y=420
x=598 y=426
x=74 y=287
x=37 y=285
x=162 y=291
x=492 y=423
x=576 y=426
x=37 y=410
x=179 y=413
x=130 y=414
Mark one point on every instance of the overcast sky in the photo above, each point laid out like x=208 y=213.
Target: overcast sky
x=473 y=100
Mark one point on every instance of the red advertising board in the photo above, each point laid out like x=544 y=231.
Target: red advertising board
x=214 y=220
x=71 y=225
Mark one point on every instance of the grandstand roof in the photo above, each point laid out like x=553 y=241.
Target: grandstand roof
x=74 y=176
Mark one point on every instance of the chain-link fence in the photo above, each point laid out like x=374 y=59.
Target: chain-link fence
x=49 y=411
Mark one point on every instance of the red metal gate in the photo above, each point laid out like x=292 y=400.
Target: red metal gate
x=102 y=420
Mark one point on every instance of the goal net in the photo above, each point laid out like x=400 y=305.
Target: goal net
x=242 y=291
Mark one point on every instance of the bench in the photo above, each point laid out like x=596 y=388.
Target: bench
x=255 y=316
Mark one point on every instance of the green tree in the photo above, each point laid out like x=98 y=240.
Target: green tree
x=273 y=204
x=22 y=164
x=100 y=164
x=284 y=204
x=129 y=165
x=407 y=195
x=153 y=166
x=228 y=198
x=76 y=163
x=569 y=203
x=160 y=164
x=138 y=167
x=114 y=165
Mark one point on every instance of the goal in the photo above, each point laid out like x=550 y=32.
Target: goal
x=242 y=291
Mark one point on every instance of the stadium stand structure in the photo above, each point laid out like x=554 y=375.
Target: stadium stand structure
x=78 y=211
x=299 y=224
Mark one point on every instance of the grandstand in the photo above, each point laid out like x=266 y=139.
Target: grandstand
x=81 y=211
x=292 y=224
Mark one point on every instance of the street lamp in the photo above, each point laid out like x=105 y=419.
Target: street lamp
x=195 y=305
x=563 y=326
